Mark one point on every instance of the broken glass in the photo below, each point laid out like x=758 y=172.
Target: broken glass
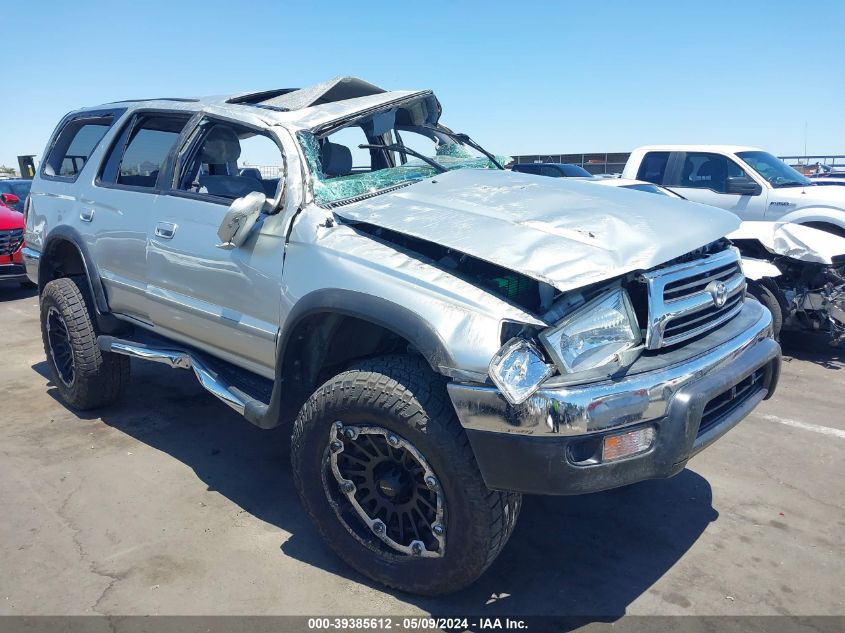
x=327 y=190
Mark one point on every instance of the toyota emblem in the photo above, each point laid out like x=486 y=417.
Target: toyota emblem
x=719 y=291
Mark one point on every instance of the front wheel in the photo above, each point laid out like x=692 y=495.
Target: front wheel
x=764 y=295
x=387 y=475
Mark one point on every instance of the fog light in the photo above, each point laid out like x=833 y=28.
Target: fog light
x=625 y=444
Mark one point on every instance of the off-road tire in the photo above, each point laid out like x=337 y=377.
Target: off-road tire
x=765 y=296
x=99 y=378
x=402 y=394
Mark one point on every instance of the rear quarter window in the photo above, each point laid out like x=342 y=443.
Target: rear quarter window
x=74 y=144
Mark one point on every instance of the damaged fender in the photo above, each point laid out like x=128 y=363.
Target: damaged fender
x=757 y=269
x=795 y=241
x=327 y=263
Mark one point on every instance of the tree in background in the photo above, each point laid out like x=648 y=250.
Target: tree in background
x=7 y=171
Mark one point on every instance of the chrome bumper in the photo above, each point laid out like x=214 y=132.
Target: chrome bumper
x=609 y=404
x=31 y=258
x=552 y=443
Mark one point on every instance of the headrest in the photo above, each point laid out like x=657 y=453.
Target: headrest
x=251 y=172
x=221 y=146
x=336 y=159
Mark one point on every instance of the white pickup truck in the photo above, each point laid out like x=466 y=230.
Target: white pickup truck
x=751 y=183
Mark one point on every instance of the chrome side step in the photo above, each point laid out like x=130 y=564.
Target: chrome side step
x=178 y=359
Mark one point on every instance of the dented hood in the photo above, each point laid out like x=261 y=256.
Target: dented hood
x=566 y=233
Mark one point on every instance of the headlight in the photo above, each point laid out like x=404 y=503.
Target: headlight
x=595 y=334
x=518 y=370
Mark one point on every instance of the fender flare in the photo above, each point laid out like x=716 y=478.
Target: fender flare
x=391 y=316
x=806 y=215
x=67 y=234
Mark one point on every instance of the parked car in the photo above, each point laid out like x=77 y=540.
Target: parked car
x=13 y=192
x=555 y=170
x=747 y=181
x=796 y=271
x=828 y=180
x=441 y=334
x=11 y=246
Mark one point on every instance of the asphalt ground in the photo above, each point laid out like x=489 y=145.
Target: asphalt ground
x=170 y=503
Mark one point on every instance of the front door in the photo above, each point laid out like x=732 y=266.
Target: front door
x=226 y=301
x=707 y=178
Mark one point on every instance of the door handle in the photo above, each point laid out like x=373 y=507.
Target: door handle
x=86 y=215
x=165 y=230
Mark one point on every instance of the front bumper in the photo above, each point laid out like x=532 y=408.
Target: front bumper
x=551 y=444
x=31 y=259
x=12 y=267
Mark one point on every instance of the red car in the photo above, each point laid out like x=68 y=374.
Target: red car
x=11 y=241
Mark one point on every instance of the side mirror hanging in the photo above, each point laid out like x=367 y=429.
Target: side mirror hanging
x=238 y=222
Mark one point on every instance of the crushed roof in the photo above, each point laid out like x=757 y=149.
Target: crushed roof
x=331 y=91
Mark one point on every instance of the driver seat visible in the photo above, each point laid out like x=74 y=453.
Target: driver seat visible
x=221 y=150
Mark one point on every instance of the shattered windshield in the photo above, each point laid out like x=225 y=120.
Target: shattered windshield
x=406 y=151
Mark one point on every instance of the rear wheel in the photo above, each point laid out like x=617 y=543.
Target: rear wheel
x=765 y=296
x=85 y=376
x=386 y=473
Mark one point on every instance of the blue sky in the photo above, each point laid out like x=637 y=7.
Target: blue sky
x=520 y=76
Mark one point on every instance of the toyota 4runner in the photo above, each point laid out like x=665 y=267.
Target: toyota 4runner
x=442 y=335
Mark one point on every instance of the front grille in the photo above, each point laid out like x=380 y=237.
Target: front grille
x=10 y=241
x=728 y=401
x=688 y=299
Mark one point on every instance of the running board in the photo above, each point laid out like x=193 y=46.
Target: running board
x=211 y=380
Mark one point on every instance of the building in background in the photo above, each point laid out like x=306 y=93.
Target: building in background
x=595 y=163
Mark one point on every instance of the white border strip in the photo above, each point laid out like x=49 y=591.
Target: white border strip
x=815 y=428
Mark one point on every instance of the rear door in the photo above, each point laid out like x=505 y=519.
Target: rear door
x=225 y=301
x=122 y=204
x=64 y=188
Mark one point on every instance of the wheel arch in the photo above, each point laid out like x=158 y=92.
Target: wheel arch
x=819 y=218
x=65 y=254
x=372 y=325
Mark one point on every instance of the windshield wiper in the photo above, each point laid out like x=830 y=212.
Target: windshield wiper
x=464 y=138
x=792 y=183
x=406 y=150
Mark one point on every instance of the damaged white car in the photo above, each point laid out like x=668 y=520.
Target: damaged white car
x=440 y=334
x=798 y=272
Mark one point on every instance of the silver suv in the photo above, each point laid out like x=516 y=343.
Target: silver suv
x=440 y=334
